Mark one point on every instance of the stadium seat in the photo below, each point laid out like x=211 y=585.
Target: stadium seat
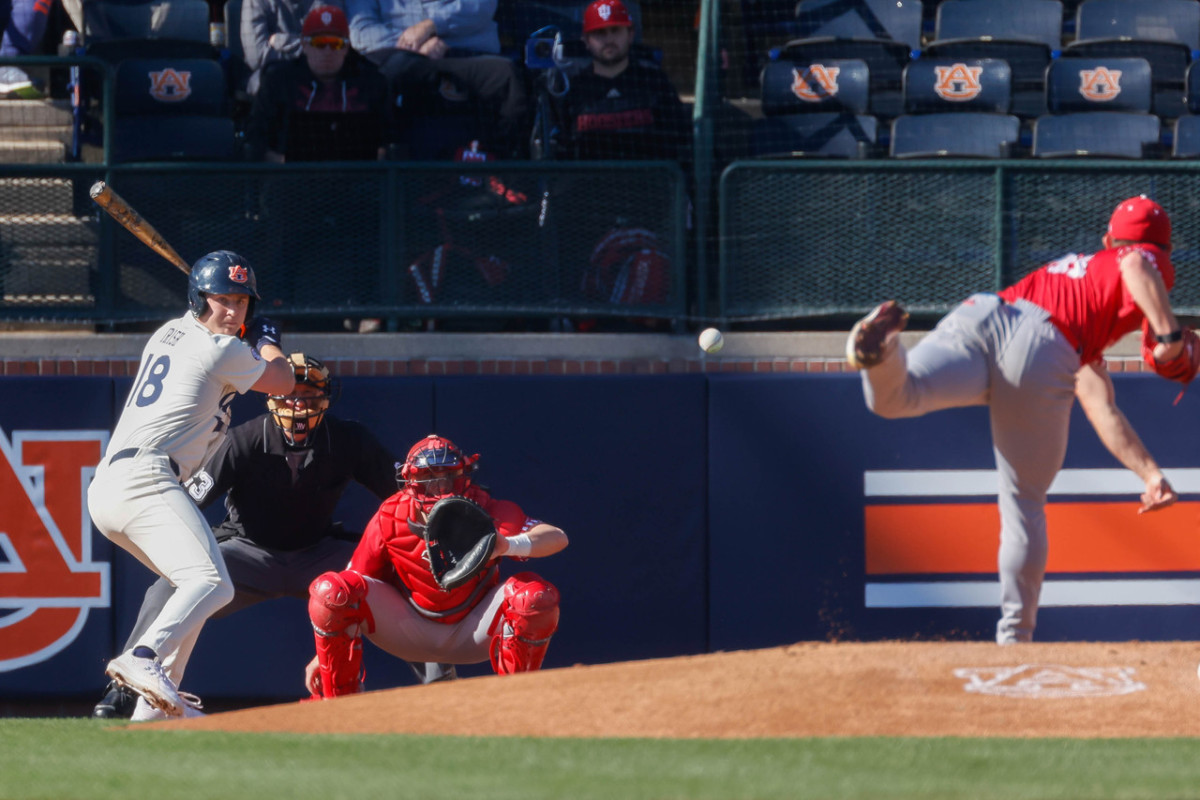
x=1164 y=32
x=1111 y=134
x=165 y=19
x=956 y=134
x=1191 y=82
x=171 y=109
x=883 y=33
x=1099 y=84
x=936 y=85
x=822 y=135
x=1186 y=137
x=1025 y=33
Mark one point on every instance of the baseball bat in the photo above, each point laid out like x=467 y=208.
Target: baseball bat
x=133 y=222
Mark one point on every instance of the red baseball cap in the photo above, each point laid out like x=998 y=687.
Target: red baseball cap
x=329 y=20
x=606 y=14
x=1140 y=219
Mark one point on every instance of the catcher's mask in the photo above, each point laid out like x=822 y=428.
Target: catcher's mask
x=298 y=414
x=436 y=468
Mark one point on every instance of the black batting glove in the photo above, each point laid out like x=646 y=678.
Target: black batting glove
x=261 y=331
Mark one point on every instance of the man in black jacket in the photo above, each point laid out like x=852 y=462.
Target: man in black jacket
x=285 y=472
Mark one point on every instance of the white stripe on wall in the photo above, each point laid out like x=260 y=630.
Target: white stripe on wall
x=982 y=482
x=978 y=594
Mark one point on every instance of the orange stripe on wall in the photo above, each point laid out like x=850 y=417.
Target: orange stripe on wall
x=1084 y=537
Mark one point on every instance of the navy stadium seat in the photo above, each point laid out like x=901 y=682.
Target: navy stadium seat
x=171 y=109
x=815 y=109
x=1186 y=137
x=883 y=33
x=1025 y=33
x=936 y=85
x=1164 y=32
x=1099 y=84
x=1191 y=83
x=1112 y=134
x=957 y=134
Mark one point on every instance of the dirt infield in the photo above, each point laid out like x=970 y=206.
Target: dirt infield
x=807 y=689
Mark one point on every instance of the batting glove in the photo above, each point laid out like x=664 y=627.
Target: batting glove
x=262 y=330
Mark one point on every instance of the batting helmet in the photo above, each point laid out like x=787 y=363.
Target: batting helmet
x=436 y=468
x=298 y=414
x=221 y=272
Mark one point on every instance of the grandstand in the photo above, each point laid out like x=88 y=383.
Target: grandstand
x=842 y=151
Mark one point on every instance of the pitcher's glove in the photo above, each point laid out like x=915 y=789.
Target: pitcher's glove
x=460 y=538
x=1181 y=368
x=262 y=331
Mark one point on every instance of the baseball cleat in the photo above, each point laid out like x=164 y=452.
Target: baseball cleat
x=874 y=336
x=144 y=712
x=146 y=677
x=118 y=702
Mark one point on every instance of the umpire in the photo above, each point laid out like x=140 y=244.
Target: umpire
x=285 y=472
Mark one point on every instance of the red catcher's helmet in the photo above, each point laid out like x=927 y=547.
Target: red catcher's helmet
x=436 y=468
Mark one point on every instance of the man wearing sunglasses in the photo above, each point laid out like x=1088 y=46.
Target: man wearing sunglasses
x=445 y=51
x=328 y=105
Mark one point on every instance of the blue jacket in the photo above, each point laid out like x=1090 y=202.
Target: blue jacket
x=462 y=24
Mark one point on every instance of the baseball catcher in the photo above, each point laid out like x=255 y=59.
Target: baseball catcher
x=424 y=583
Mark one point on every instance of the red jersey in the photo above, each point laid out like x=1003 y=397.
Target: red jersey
x=1087 y=298
x=391 y=551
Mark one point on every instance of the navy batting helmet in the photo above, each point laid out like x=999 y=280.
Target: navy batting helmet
x=221 y=272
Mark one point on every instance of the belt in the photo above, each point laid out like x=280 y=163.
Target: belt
x=130 y=452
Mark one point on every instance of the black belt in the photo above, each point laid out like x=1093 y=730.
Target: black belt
x=130 y=452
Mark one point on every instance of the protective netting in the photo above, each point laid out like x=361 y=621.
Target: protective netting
x=802 y=240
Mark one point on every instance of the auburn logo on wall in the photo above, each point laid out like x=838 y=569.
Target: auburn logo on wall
x=957 y=82
x=48 y=580
x=170 y=86
x=816 y=83
x=1100 y=84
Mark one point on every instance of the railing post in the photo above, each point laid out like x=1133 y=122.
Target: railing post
x=702 y=138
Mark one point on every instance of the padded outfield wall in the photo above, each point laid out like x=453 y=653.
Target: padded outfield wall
x=710 y=511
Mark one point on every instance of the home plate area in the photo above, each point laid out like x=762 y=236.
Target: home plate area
x=1075 y=689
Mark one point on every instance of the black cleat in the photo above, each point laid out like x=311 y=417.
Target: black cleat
x=118 y=703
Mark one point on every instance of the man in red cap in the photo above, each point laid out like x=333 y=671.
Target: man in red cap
x=1026 y=353
x=328 y=105
x=622 y=105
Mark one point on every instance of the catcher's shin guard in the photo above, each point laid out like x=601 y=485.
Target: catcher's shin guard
x=338 y=610
x=527 y=618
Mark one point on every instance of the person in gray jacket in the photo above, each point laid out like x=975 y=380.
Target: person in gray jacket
x=270 y=31
x=428 y=48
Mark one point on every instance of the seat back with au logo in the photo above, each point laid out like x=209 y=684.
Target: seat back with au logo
x=1099 y=84
x=947 y=85
x=799 y=87
x=172 y=108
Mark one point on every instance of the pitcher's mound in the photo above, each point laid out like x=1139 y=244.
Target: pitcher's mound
x=808 y=689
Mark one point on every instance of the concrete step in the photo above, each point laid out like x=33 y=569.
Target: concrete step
x=35 y=152
x=32 y=133
x=39 y=230
x=49 y=197
x=35 y=112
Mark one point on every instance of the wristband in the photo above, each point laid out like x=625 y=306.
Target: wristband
x=519 y=546
x=1170 y=338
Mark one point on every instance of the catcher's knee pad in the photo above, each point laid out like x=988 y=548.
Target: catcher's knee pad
x=336 y=604
x=527 y=618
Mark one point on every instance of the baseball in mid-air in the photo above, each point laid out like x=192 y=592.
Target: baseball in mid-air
x=711 y=340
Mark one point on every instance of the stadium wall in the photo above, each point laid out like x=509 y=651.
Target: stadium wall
x=720 y=504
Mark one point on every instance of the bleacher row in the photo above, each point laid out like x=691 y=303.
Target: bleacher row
x=993 y=78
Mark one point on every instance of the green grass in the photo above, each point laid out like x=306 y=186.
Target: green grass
x=80 y=758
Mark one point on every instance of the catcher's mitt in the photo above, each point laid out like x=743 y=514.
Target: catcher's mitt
x=460 y=538
x=1181 y=368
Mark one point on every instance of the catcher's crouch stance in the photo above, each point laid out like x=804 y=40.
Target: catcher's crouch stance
x=425 y=580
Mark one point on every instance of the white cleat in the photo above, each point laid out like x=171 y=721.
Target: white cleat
x=144 y=712
x=146 y=677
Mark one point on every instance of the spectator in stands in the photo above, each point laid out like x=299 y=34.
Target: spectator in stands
x=428 y=48
x=330 y=104
x=270 y=31
x=23 y=32
x=622 y=105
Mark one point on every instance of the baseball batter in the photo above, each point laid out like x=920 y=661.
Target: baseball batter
x=389 y=592
x=1026 y=353
x=174 y=419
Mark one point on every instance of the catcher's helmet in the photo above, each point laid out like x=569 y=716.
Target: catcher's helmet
x=298 y=414
x=436 y=468
x=221 y=272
